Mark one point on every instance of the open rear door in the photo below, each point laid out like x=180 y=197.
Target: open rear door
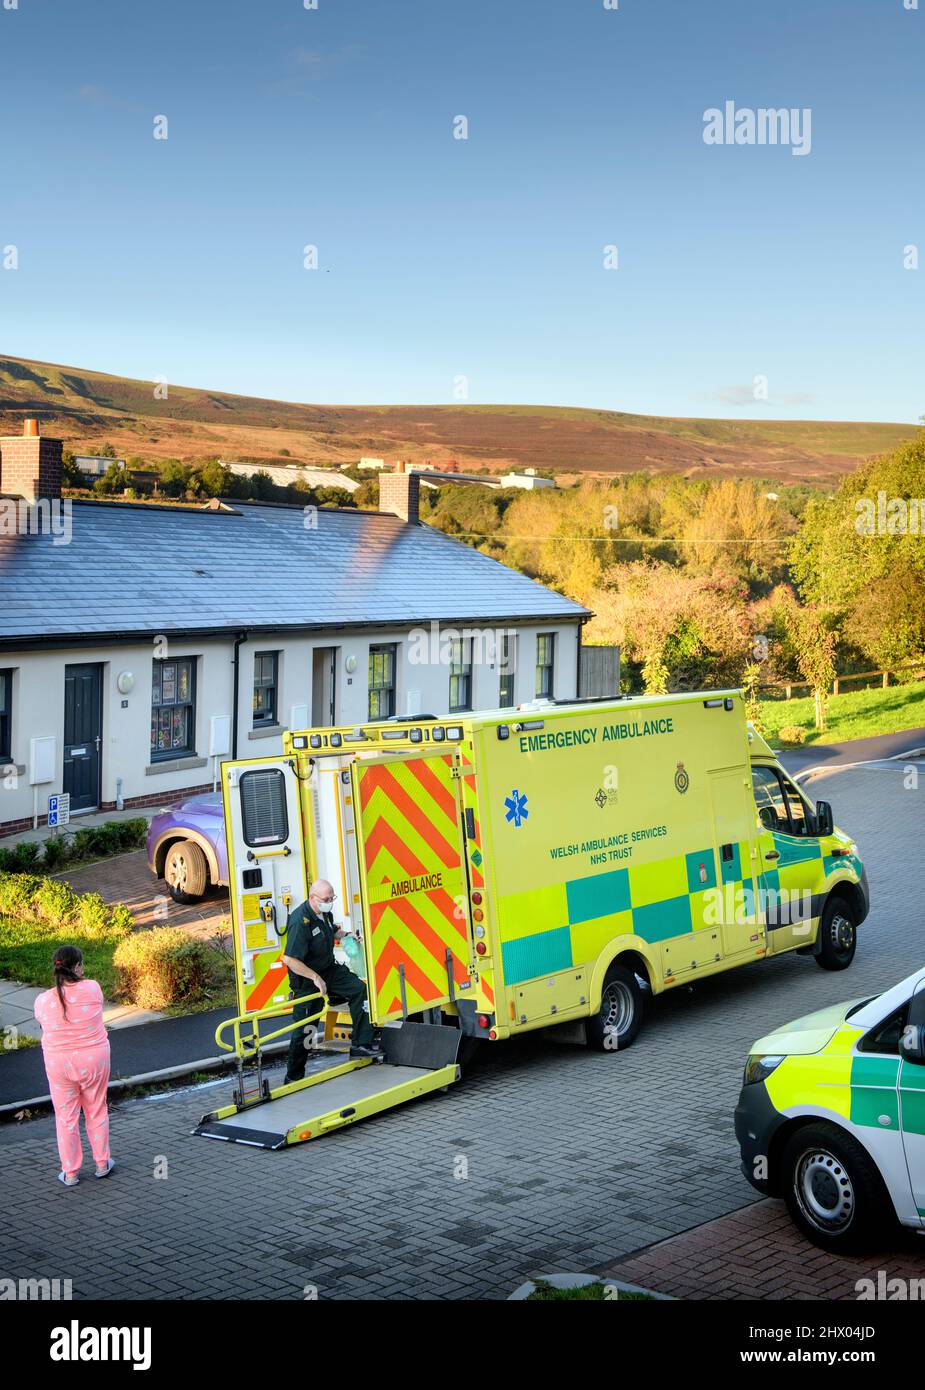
x=266 y=872
x=413 y=882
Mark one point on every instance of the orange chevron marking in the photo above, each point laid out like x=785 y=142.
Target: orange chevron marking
x=390 y=958
x=270 y=982
x=417 y=818
x=434 y=788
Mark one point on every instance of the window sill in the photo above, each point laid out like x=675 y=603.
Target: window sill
x=267 y=731
x=175 y=765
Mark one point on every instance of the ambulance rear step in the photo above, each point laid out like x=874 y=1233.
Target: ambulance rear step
x=338 y=1091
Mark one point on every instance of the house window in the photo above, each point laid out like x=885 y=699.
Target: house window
x=382 y=681
x=173 y=708
x=545 y=642
x=507 y=658
x=266 y=685
x=460 y=674
x=6 y=714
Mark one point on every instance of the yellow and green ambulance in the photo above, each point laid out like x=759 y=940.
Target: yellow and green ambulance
x=558 y=864
x=832 y=1118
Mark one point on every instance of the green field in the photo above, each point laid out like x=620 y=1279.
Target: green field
x=855 y=714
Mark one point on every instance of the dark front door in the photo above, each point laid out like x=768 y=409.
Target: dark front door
x=83 y=728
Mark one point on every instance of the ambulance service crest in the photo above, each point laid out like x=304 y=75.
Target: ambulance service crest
x=682 y=779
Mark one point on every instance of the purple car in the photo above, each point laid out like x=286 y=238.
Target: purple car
x=186 y=847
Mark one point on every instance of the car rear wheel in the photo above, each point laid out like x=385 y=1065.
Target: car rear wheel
x=186 y=872
x=838 y=936
x=834 y=1190
x=621 y=1015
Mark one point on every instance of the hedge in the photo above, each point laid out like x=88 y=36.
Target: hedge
x=91 y=842
x=163 y=966
x=54 y=903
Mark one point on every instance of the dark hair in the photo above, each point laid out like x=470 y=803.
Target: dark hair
x=65 y=963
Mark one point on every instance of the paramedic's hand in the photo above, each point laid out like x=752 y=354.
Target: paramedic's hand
x=319 y=982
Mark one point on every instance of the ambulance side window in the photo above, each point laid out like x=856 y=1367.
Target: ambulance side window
x=800 y=816
x=885 y=1037
x=769 y=798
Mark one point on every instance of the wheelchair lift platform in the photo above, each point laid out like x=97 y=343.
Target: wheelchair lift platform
x=338 y=1090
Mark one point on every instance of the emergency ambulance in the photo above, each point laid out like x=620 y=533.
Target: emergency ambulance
x=510 y=870
x=832 y=1118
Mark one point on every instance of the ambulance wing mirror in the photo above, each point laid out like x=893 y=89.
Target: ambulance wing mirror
x=825 y=823
x=912 y=1042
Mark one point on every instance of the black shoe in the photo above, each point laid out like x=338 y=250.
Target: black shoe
x=291 y=1080
x=365 y=1050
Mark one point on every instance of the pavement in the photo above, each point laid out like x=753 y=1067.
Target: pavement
x=17 y=1011
x=545 y=1157
x=857 y=750
x=757 y=1253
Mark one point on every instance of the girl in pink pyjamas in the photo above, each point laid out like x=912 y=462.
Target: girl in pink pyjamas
x=76 y=1054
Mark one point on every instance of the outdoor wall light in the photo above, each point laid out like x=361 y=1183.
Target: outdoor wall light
x=125 y=682
x=350 y=664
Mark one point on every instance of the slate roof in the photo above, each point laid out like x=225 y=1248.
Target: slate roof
x=138 y=570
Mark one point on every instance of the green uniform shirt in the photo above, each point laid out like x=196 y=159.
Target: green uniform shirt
x=310 y=939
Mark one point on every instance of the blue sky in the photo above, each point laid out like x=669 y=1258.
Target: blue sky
x=481 y=259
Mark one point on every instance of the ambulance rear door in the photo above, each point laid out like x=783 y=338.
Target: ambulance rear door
x=266 y=872
x=415 y=892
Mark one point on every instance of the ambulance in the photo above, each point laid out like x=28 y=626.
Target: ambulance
x=832 y=1118
x=511 y=870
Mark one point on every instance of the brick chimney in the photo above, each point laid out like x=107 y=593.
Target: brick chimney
x=30 y=464
x=400 y=492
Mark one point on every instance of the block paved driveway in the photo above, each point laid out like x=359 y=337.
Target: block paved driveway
x=548 y=1158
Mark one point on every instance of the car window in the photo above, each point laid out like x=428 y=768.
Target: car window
x=885 y=1037
x=801 y=822
x=769 y=798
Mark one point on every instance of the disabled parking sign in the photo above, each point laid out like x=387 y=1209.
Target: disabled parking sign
x=59 y=809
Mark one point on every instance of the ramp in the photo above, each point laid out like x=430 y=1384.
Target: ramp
x=338 y=1090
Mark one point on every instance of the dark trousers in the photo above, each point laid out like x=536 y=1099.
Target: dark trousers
x=342 y=984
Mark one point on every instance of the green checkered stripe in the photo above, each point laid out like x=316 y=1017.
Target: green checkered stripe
x=656 y=901
x=874 y=1093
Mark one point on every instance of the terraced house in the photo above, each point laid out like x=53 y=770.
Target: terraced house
x=140 y=644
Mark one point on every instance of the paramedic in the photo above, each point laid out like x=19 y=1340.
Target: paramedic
x=309 y=956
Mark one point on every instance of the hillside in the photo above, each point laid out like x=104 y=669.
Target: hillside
x=88 y=408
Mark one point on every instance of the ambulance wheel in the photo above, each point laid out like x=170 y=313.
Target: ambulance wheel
x=834 y=1190
x=186 y=872
x=622 y=1007
x=838 y=936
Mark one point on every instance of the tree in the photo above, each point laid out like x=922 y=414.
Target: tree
x=861 y=554
x=175 y=478
x=814 y=636
x=679 y=631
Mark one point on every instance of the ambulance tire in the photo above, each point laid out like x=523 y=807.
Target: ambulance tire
x=838 y=935
x=186 y=872
x=621 y=1015
x=834 y=1191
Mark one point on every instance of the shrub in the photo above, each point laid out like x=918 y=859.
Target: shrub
x=792 y=733
x=163 y=966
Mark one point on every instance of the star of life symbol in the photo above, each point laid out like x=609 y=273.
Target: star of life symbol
x=515 y=807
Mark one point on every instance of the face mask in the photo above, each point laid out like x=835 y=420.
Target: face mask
x=326 y=907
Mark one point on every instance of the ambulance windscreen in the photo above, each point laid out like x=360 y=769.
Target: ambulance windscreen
x=263 y=807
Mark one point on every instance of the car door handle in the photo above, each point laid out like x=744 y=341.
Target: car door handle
x=773 y=854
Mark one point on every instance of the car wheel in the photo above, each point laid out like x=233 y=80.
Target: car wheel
x=185 y=872
x=834 y=1190
x=621 y=1015
x=838 y=936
